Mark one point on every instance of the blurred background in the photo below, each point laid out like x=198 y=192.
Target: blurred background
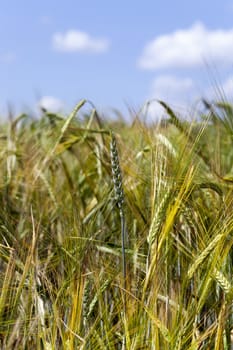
x=116 y=54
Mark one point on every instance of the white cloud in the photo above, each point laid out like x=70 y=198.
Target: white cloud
x=74 y=40
x=188 y=48
x=7 y=57
x=51 y=104
x=179 y=93
x=168 y=86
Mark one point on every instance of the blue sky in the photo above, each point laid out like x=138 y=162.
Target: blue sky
x=115 y=53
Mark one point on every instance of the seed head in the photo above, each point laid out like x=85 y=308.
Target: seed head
x=116 y=172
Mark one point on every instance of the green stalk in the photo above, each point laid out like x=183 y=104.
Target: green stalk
x=119 y=196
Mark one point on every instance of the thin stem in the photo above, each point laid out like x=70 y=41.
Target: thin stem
x=124 y=268
x=123 y=244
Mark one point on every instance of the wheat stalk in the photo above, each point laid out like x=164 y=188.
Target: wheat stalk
x=119 y=197
x=198 y=261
